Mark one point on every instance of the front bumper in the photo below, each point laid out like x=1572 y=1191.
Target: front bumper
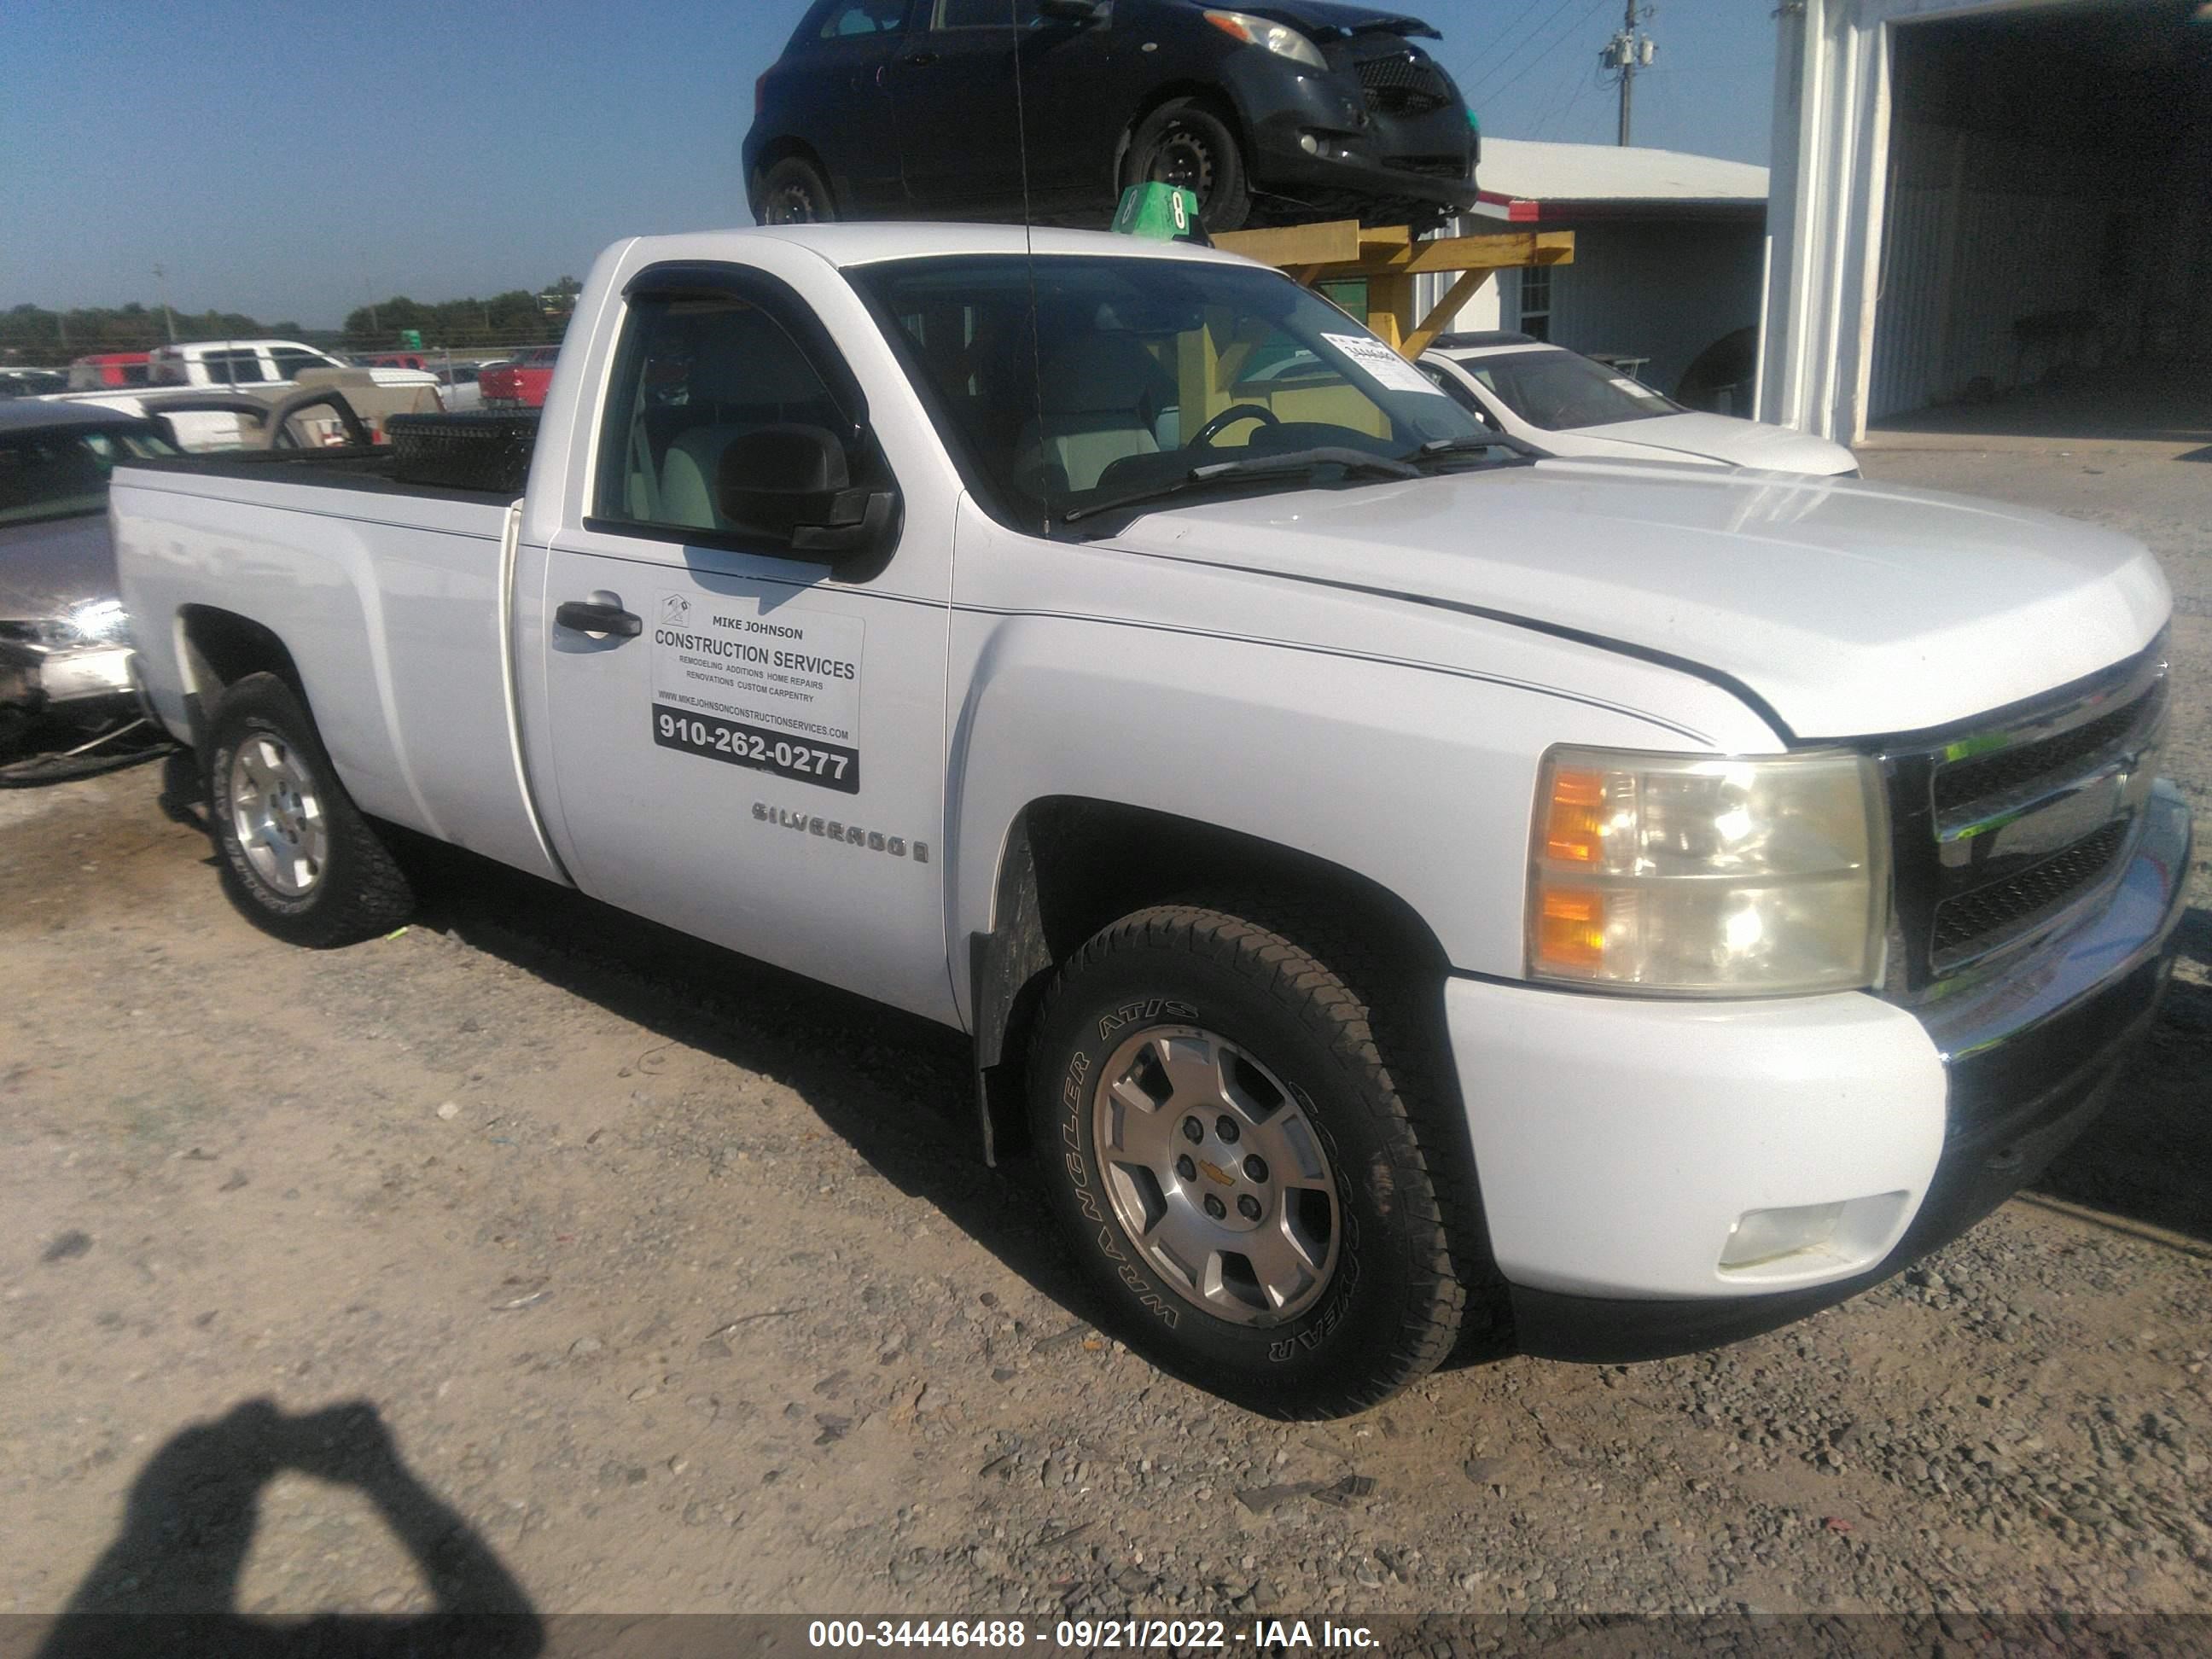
x=1360 y=164
x=35 y=677
x=1348 y=173
x=1618 y=1142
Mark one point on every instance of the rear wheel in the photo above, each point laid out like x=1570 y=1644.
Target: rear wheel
x=297 y=856
x=1183 y=143
x=1243 y=1175
x=794 y=192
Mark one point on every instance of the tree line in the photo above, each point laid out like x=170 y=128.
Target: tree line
x=517 y=317
x=33 y=334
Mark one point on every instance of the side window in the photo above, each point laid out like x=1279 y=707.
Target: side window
x=703 y=378
x=234 y=367
x=985 y=14
x=289 y=363
x=864 y=17
x=1536 y=302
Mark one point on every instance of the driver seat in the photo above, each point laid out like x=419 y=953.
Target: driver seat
x=1100 y=401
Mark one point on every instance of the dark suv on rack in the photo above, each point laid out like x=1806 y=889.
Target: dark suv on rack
x=1278 y=113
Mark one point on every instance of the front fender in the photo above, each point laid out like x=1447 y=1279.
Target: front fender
x=1396 y=742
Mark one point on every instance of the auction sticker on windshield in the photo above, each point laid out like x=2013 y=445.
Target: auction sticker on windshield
x=776 y=689
x=1385 y=364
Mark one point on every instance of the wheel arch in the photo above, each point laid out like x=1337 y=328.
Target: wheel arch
x=1071 y=863
x=216 y=649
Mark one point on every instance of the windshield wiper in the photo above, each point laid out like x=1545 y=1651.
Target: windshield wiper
x=1438 y=448
x=1353 y=461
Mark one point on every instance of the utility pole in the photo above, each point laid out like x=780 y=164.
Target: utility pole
x=168 y=317
x=1627 y=52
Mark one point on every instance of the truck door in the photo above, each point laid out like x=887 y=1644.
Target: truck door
x=744 y=745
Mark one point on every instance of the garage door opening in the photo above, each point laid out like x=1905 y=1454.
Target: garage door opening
x=2046 y=258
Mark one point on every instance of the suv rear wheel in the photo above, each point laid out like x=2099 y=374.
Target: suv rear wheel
x=1241 y=1167
x=794 y=192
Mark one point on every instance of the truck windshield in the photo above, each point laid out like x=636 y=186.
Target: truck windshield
x=1144 y=370
x=61 y=473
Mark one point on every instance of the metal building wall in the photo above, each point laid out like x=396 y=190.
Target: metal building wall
x=1663 y=289
x=1844 y=253
x=1976 y=234
x=1825 y=207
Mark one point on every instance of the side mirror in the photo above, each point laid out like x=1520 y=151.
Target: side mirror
x=1069 y=11
x=791 y=484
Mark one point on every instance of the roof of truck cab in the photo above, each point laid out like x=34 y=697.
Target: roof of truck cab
x=189 y=348
x=867 y=244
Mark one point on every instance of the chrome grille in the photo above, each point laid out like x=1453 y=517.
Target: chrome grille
x=2005 y=830
x=1988 y=915
x=1979 y=777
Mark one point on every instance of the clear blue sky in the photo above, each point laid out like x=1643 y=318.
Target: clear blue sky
x=285 y=158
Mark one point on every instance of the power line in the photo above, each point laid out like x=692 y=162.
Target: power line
x=1497 y=43
x=1583 y=87
x=1508 y=57
x=1556 y=40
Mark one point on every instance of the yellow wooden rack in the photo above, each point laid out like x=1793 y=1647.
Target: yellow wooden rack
x=1387 y=258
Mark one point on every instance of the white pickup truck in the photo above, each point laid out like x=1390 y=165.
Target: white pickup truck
x=1395 y=882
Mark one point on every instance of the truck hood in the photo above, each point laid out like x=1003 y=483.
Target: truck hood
x=1324 y=20
x=1725 y=438
x=48 y=566
x=1850 y=609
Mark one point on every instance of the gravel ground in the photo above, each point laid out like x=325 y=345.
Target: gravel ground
x=668 y=1284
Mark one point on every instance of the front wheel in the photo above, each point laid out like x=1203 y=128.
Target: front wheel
x=1183 y=143
x=1246 y=1183
x=297 y=856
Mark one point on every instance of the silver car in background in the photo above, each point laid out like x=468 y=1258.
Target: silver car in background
x=64 y=643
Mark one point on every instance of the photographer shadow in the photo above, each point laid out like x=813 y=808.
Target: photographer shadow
x=169 y=1582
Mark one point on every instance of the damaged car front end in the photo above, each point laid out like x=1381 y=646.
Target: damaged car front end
x=64 y=638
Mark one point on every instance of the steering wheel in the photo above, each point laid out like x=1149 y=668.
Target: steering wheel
x=1204 y=437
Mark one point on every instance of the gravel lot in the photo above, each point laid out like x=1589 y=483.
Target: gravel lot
x=672 y=1286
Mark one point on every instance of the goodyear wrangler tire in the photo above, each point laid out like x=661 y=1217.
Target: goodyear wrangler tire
x=297 y=856
x=1245 y=1180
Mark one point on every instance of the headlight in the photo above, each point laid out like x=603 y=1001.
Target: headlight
x=1278 y=38
x=1696 y=875
x=99 y=622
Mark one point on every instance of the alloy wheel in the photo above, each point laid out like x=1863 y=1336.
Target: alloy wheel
x=1216 y=1174
x=277 y=813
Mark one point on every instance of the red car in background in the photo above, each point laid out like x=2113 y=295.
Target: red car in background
x=105 y=369
x=522 y=383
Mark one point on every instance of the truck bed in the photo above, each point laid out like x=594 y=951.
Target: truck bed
x=373 y=472
x=454 y=457
x=394 y=597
